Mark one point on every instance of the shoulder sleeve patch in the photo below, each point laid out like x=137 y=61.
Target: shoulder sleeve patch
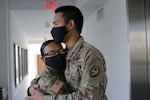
x=57 y=86
x=94 y=71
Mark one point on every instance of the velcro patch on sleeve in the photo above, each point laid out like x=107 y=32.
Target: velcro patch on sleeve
x=57 y=86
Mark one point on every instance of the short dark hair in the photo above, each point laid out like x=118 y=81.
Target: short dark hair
x=72 y=12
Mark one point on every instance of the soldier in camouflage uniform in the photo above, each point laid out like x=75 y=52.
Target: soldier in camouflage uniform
x=85 y=67
x=52 y=80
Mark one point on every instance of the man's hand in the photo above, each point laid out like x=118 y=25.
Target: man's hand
x=37 y=96
x=32 y=89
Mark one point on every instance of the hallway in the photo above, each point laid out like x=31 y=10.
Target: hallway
x=27 y=23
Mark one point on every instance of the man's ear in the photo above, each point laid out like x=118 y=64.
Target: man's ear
x=71 y=24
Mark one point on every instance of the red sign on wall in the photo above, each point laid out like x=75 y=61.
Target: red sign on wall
x=50 y=4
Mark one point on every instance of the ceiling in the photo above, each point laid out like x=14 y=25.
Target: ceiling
x=36 y=21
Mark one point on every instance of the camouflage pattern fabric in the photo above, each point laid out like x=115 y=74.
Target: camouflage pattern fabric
x=85 y=73
x=51 y=82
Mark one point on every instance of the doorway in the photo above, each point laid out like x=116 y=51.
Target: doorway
x=40 y=65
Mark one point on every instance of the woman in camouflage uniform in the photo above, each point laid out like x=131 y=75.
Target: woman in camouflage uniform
x=52 y=80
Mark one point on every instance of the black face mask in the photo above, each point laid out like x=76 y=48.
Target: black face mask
x=57 y=62
x=59 y=33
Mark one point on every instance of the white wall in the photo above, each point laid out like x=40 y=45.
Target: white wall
x=4 y=44
x=17 y=36
x=110 y=36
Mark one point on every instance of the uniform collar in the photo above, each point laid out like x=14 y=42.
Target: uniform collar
x=74 y=51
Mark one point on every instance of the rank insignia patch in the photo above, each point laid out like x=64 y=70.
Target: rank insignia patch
x=94 y=71
x=57 y=86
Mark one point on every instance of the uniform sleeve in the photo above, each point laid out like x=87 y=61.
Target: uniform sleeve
x=34 y=81
x=93 y=82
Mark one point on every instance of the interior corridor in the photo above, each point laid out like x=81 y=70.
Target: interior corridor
x=25 y=24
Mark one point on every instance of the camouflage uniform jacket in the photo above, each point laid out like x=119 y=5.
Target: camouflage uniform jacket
x=85 y=73
x=51 y=82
